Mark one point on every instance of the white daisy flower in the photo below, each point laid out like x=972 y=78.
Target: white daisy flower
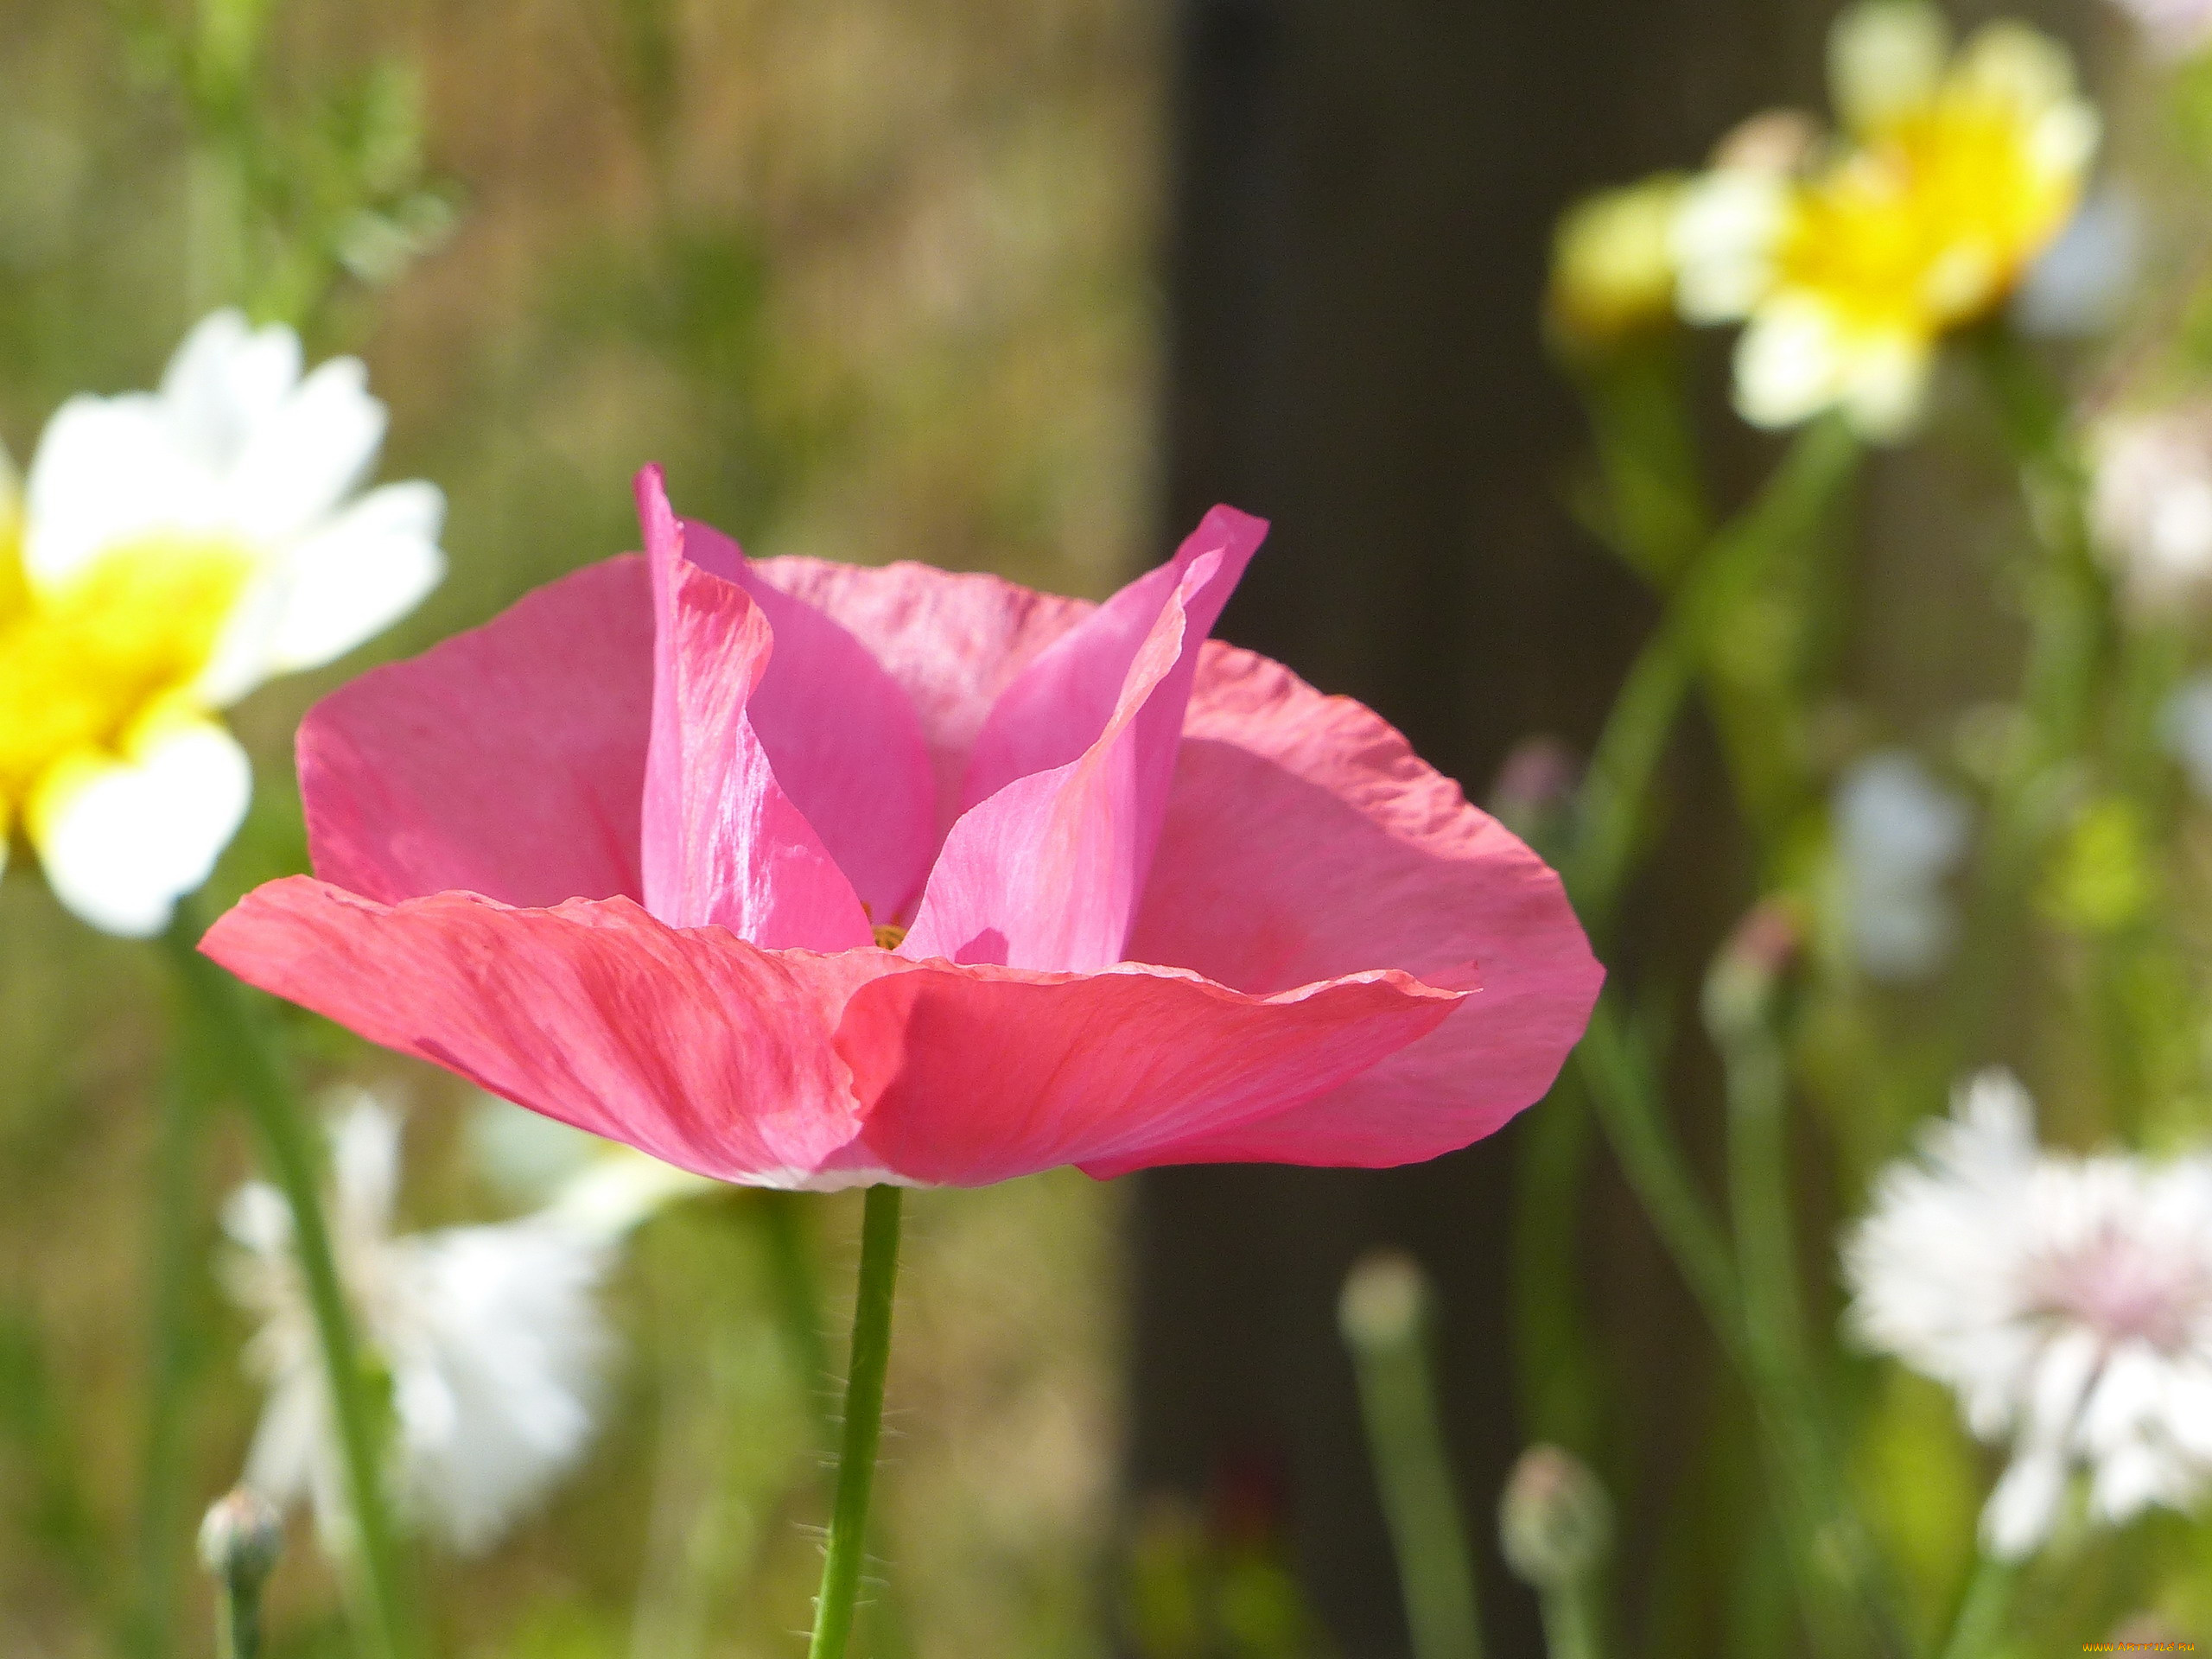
x=491 y=1333
x=2066 y=1300
x=2151 y=503
x=1898 y=835
x=170 y=551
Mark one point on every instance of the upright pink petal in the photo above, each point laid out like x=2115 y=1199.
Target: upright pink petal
x=1305 y=839
x=974 y=1076
x=842 y=735
x=722 y=844
x=952 y=640
x=508 y=761
x=1072 y=770
x=694 y=1045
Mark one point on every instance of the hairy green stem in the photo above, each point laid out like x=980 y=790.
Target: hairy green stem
x=847 y=1550
x=293 y=1151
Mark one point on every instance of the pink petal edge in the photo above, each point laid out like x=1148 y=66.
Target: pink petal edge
x=722 y=842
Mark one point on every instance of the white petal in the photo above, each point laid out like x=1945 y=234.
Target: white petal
x=2021 y=1511
x=1886 y=383
x=107 y=468
x=357 y=575
x=1885 y=57
x=619 y=1190
x=121 y=842
x=307 y=455
x=505 y=1350
x=365 y=1160
x=2017 y=65
x=256 y=1216
x=2129 y=1479
x=1790 y=364
x=1723 y=239
x=290 y=1439
x=225 y=381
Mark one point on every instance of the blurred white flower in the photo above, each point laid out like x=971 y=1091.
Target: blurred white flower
x=170 y=551
x=2186 y=728
x=2067 y=1301
x=2174 y=28
x=2151 y=503
x=1898 y=834
x=491 y=1333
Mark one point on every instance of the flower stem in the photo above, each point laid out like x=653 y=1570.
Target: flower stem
x=1617 y=1073
x=1572 y=1628
x=1384 y=1320
x=848 y=1544
x=169 y=1345
x=798 y=1308
x=1981 y=1615
x=243 y=1055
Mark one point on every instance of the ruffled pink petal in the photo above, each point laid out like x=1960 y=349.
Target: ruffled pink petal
x=722 y=844
x=975 y=1076
x=1072 y=771
x=1305 y=840
x=693 y=1046
x=844 y=740
x=508 y=761
x=952 y=641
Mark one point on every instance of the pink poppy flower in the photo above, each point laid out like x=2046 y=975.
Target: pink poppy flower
x=800 y=875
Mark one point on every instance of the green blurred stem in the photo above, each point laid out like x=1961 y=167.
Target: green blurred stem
x=1558 y=1373
x=237 y=1615
x=1436 y=1572
x=1573 y=1626
x=162 y=1519
x=848 y=1544
x=243 y=1054
x=1831 y=1557
x=1617 y=1073
x=2069 y=634
x=1616 y=797
x=1981 y=1615
x=789 y=1240
x=1612 y=815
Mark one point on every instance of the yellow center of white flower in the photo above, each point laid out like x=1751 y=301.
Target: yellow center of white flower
x=1931 y=223
x=85 y=664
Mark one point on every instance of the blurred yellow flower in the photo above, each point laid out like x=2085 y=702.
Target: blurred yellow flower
x=1955 y=172
x=169 y=552
x=1614 y=264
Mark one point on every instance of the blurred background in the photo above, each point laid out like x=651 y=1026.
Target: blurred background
x=1016 y=285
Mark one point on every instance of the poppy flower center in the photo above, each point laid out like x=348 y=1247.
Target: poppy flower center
x=81 y=663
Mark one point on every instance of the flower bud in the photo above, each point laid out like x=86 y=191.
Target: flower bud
x=1554 y=1522
x=1534 y=789
x=241 y=1538
x=1742 y=981
x=1385 y=1300
x=1613 y=266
